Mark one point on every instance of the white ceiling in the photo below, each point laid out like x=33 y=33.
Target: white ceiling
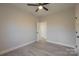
x=52 y=8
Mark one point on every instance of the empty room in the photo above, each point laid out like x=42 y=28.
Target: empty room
x=39 y=29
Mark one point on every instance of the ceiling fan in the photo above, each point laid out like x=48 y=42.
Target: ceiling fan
x=40 y=6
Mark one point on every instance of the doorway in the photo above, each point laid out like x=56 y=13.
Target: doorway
x=41 y=30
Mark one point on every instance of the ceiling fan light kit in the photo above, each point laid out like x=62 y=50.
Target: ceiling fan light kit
x=40 y=6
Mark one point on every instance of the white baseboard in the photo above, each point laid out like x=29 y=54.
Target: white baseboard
x=61 y=44
x=14 y=48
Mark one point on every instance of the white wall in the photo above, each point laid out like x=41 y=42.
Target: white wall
x=17 y=27
x=61 y=27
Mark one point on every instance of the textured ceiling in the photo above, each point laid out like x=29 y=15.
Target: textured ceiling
x=52 y=8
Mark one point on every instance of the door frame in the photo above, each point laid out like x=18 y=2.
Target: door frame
x=39 y=30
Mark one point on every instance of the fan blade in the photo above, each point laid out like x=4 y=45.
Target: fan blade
x=45 y=8
x=32 y=5
x=36 y=10
x=45 y=3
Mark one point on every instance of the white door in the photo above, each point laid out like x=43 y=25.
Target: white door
x=41 y=30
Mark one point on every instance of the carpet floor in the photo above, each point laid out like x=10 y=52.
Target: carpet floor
x=42 y=48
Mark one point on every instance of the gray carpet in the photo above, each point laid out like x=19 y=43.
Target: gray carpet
x=42 y=48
